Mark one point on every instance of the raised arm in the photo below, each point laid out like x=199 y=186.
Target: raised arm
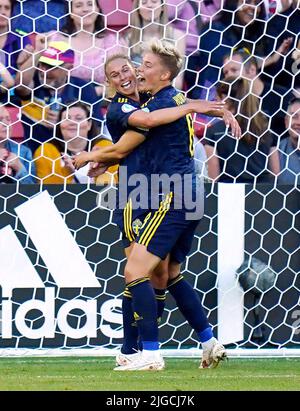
x=225 y=114
x=141 y=118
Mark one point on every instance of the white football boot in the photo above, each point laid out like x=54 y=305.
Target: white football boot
x=142 y=363
x=125 y=359
x=213 y=355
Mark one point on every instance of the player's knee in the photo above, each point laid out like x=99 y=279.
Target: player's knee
x=174 y=270
x=159 y=276
x=159 y=282
x=132 y=272
x=129 y=273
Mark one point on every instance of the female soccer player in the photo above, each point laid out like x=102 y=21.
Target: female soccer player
x=154 y=242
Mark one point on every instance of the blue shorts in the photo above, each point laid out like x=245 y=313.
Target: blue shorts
x=129 y=222
x=162 y=231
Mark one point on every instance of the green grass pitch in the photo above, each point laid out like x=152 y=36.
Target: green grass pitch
x=96 y=374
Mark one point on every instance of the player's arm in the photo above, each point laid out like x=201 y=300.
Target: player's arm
x=111 y=154
x=143 y=119
x=226 y=115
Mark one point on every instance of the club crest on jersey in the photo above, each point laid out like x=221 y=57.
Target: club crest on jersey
x=127 y=108
x=136 y=225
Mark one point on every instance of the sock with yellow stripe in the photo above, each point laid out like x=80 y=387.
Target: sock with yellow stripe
x=190 y=306
x=145 y=312
x=130 y=329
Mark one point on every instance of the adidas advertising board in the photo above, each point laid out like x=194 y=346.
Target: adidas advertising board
x=68 y=268
x=62 y=262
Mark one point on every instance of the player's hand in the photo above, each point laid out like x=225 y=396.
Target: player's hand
x=207 y=107
x=80 y=160
x=231 y=122
x=97 y=169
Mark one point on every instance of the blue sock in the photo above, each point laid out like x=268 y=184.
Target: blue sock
x=190 y=306
x=130 y=329
x=145 y=312
x=160 y=296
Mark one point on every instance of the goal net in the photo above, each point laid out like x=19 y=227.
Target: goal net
x=61 y=256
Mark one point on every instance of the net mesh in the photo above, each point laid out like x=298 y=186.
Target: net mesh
x=242 y=51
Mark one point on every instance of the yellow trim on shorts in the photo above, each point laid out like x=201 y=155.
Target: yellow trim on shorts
x=127 y=217
x=156 y=220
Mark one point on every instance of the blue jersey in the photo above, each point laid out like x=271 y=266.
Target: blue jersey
x=170 y=147
x=170 y=150
x=118 y=113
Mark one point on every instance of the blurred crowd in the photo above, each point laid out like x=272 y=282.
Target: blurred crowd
x=54 y=97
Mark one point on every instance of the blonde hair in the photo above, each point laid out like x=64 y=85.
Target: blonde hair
x=116 y=57
x=135 y=35
x=168 y=54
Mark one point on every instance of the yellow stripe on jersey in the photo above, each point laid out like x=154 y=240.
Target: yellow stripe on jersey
x=189 y=121
x=145 y=104
x=156 y=220
x=122 y=100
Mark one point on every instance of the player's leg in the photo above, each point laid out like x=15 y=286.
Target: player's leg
x=129 y=350
x=152 y=245
x=189 y=302
x=132 y=344
x=138 y=269
x=159 y=280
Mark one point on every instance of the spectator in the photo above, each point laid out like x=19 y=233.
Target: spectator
x=116 y=12
x=38 y=15
x=209 y=9
x=45 y=87
x=282 y=27
x=85 y=32
x=254 y=156
x=237 y=25
x=15 y=159
x=12 y=52
x=185 y=17
x=274 y=99
x=283 y=5
x=296 y=86
x=150 y=20
x=289 y=148
x=200 y=158
x=76 y=132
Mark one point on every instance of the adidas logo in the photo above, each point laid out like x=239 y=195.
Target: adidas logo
x=67 y=266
